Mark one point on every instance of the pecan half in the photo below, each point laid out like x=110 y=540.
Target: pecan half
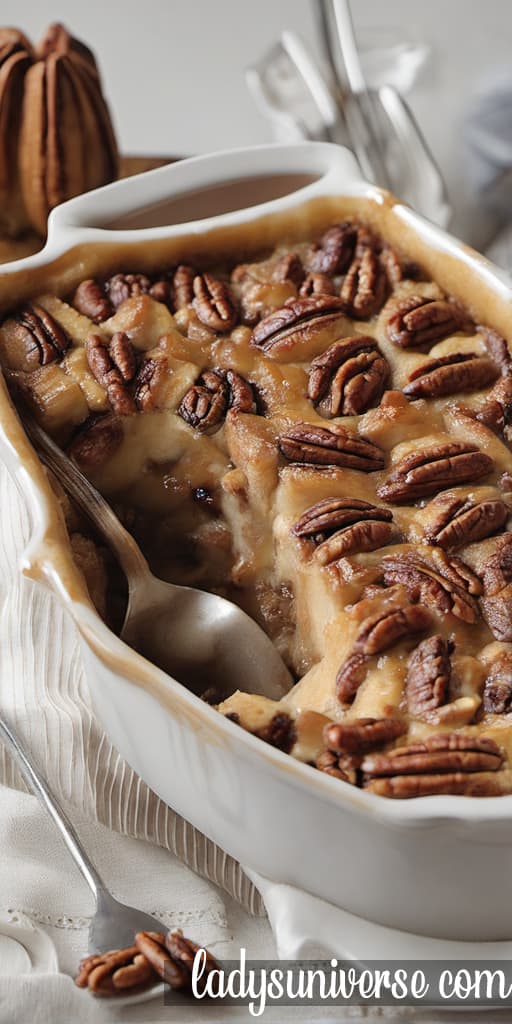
x=213 y=304
x=459 y=521
x=206 y=403
x=96 y=442
x=90 y=300
x=405 y=787
x=443 y=752
x=362 y=734
x=442 y=587
x=496 y=410
x=497 y=697
x=340 y=766
x=416 y=320
x=298 y=318
x=113 y=365
x=349 y=377
x=496 y=603
x=432 y=469
x=172 y=958
x=183 y=285
x=496 y=346
x=151 y=376
x=463 y=371
x=428 y=676
x=378 y=633
x=289 y=268
x=44 y=340
x=344 y=526
x=365 y=285
x=121 y=287
x=317 y=284
x=334 y=252
x=334 y=446
x=116 y=972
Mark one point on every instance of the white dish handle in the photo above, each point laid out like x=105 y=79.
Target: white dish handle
x=332 y=168
x=305 y=926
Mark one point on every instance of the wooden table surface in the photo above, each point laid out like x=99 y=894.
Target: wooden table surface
x=15 y=249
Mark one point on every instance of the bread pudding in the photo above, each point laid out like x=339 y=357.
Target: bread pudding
x=321 y=434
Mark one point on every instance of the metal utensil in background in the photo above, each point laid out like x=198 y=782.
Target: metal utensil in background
x=333 y=103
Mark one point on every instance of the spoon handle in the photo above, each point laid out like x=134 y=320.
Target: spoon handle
x=89 y=501
x=39 y=787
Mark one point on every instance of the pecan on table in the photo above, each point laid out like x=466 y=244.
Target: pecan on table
x=496 y=409
x=432 y=469
x=365 y=284
x=333 y=446
x=113 y=364
x=340 y=766
x=448 y=375
x=118 y=972
x=333 y=253
x=172 y=958
x=317 y=284
x=213 y=304
x=414 y=320
x=96 y=442
x=183 y=285
x=90 y=300
x=42 y=338
x=289 y=268
x=362 y=734
x=344 y=526
x=206 y=403
x=455 y=522
x=349 y=377
x=378 y=633
x=497 y=698
x=428 y=676
x=445 y=755
x=443 y=587
x=297 y=320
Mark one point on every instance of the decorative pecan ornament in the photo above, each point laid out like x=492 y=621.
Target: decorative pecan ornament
x=67 y=144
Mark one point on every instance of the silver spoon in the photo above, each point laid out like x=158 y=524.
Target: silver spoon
x=114 y=924
x=203 y=640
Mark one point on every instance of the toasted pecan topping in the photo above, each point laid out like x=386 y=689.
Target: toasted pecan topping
x=496 y=409
x=317 y=284
x=44 y=340
x=416 y=320
x=497 y=347
x=336 y=446
x=334 y=252
x=117 y=972
x=213 y=303
x=340 y=766
x=365 y=285
x=496 y=603
x=462 y=371
x=121 y=287
x=280 y=732
x=443 y=752
x=432 y=469
x=497 y=698
x=457 y=521
x=90 y=300
x=362 y=734
x=349 y=377
x=96 y=442
x=378 y=633
x=443 y=585
x=428 y=676
x=404 y=787
x=206 y=403
x=150 y=379
x=113 y=364
x=289 y=268
x=183 y=285
x=344 y=526
x=297 y=319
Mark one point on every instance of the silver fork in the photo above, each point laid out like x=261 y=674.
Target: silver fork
x=201 y=639
x=114 y=924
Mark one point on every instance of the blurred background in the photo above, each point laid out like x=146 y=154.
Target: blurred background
x=174 y=71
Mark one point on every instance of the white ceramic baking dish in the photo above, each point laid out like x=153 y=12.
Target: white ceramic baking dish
x=435 y=865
